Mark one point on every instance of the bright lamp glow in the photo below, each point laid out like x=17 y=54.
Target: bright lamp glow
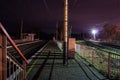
x=94 y=32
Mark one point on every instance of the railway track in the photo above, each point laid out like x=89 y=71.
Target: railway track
x=28 y=49
x=107 y=47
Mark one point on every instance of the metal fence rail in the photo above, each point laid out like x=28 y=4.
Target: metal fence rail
x=106 y=62
x=10 y=67
x=14 y=69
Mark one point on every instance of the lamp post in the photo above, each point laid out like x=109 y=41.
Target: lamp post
x=94 y=32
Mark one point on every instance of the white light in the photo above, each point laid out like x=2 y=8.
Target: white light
x=94 y=32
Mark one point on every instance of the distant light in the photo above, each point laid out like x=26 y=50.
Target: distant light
x=94 y=31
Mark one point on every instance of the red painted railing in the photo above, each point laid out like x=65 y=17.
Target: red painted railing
x=12 y=42
x=10 y=67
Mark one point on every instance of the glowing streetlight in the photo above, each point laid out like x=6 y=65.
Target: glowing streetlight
x=94 y=32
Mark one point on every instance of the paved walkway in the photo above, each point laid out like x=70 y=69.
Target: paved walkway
x=48 y=65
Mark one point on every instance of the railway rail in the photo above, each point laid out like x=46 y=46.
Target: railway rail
x=28 y=49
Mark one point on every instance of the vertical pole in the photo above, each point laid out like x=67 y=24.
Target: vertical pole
x=13 y=70
x=84 y=52
x=21 y=30
x=70 y=31
x=4 y=57
x=9 y=67
x=1 y=57
x=57 y=31
x=3 y=61
x=24 y=70
x=93 y=56
x=109 y=65
x=61 y=34
x=65 y=44
x=19 y=75
x=94 y=36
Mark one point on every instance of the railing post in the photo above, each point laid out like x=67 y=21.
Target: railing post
x=92 y=56
x=13 y=71
x=24 y=70
x=84 y=52
x=9 y=67
x=3 y=59
x=109 y=65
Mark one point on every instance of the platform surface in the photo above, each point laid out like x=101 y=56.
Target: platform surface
x=48 y=65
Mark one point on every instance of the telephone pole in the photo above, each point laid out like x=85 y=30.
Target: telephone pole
x=65 y=42
x=21 y=30
x=57 y=31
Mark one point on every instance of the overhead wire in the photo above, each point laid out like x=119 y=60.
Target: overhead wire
x=46 y=7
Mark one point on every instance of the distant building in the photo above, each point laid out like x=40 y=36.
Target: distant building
x=29 y=36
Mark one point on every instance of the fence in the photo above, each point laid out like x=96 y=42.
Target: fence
x=12 y=67
x=59 y=45
x=106 y=62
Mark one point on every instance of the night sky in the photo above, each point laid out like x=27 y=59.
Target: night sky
x=42 y=15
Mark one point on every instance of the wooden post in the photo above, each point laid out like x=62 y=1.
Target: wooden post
x=65 y=42
x=109 y=65
x=13 y=71
x=84 y=52
x=93 y=56
x=3 y=60
x=9 y=67
x=24 y=71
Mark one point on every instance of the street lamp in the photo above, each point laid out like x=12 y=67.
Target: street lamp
x=94 y=32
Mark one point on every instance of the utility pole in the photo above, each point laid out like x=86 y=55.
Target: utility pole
x=70 y=31
x=61 y=34
x=57 y=31
x=65 y=42
x=21 y=30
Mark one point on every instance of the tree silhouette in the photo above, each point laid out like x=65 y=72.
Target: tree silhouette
x=111 y=32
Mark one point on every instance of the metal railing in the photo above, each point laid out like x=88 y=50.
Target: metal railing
x=11 y=68
x=106 y=62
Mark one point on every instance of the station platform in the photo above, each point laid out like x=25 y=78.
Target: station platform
x=47 y=64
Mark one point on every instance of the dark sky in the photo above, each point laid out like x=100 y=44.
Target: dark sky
x=43 y=14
